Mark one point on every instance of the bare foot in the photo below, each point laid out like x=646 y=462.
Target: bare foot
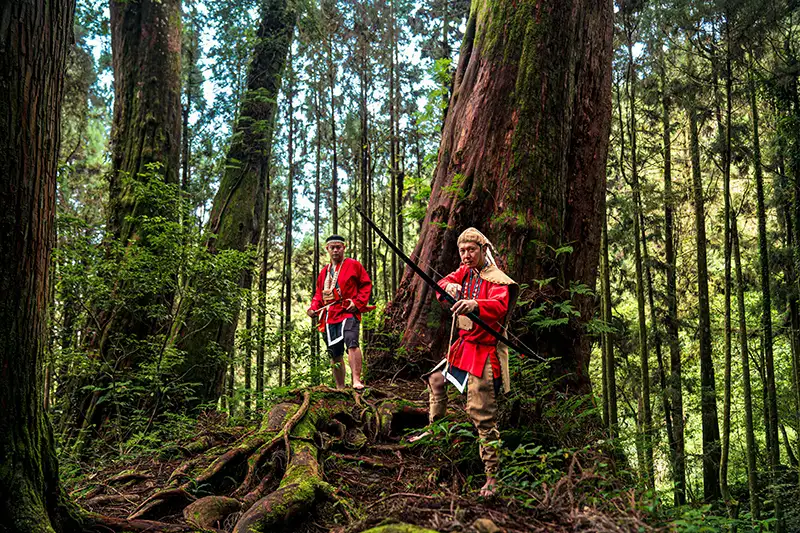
x=489 y=488
x=357 y=385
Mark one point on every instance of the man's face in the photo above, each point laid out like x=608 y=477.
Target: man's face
x=335 y=251
x=471 y=254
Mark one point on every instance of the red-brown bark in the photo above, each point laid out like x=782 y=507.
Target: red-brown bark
x=34 y=38
x=522 y=157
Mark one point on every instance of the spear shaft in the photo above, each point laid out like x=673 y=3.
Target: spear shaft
x=443 y=293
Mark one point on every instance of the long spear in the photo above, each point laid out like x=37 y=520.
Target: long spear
x=443 y=293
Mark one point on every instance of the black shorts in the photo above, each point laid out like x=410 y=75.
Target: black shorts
x=348 y=330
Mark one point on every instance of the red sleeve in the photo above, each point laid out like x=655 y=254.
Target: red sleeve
x=453 y=277
x=494 y=307
x=364 y=288
x=316 y=301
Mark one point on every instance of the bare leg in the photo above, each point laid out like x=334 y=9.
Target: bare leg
x=437 y=403
x=355 y=359
x=338 y=372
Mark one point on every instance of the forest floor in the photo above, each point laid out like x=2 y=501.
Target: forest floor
x=236 y=479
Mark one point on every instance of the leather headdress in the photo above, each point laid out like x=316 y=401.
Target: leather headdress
x=492 y=273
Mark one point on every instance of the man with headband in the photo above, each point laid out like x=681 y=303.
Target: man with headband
x=475 y=361
x=342 y=294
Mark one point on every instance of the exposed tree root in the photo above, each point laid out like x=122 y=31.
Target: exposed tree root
x=399 y=528
x=211 y=511
x=267 y=478
x=198 y=446
x=105 y=499
x=160 y=502
x=124 y=477
x=101 y=523
x=246 y=481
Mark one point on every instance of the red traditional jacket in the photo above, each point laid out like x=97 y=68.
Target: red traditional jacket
x=354 y=283
x=470 y=350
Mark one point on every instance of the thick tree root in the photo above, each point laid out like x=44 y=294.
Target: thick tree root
x=211 y=511
x=267 y=495
x=198 y=446
x=158 y=503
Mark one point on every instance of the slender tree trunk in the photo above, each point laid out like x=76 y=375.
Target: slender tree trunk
x=248 y=352
x=261 y=331
x=236 y=215
x=231 y=383
x=789 y=451
x=34 y=40
x=393 y=227
x=399 y=174
x=334 y=164
x=662 y=373
x=282 y=327
x=708 y=397
x=524 y=145
x=783 y=204
x=364 y=147
x=315 y=267
x=287 y=331
x=647 y=417
x=728 y=284
x=639 y=415
x=608 y=340
x=766 y=311
x=187 y=107
x=750 y=439
x=676 y=385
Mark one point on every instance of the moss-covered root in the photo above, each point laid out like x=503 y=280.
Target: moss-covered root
x=210 y=511
x=103 y=524
x=298 y=491
x=399 y=528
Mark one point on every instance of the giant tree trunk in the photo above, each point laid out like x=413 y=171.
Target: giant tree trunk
x=237 y=211
x=146 y=49
x=146 y=130
x=34 y=38
x=522 y=158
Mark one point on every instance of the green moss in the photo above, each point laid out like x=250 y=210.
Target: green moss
x=399 y=528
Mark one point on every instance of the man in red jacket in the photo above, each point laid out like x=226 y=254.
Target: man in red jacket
x=475 y=361
x=342 y=294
